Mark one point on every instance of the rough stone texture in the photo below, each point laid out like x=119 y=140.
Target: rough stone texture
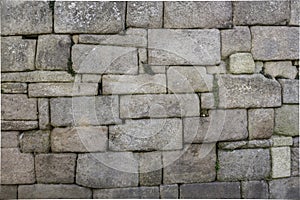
x=18 y=125
x=107 y=170
x=94 y=17
x=188 y=79
x=235 y=40
x=260 y=123
x=17 y=54
x=8 y=191
x=275 y=43
x=129 y=84
x=287 y=188
x=9 y=139
x=295 y=10
x=196 y=163
x=16 y=167
x=90 y=78
x=290 y=90
x=207 y=101
x=144 y=14
x=287 y=120
x=295 y=161
x=43 y=191
x=259 y=66
x=25 y=17
x=246 y=91
x=216 y=190
x=241 y=63
x=55 y=168
x=255 y=190
x=296 y=141
x=150 y=164
x=79 y=139
x=179 y=47
x=14 y=88
x=43 y=109
x=244 y=164
x=35 y=141
x=281 y=162
x=146 y=135
x=245 y=144
x=104 y=59
x=279 y=141
x=219 y=126
x=130 y=193
x=197 y=15
x=218 y=69
x=261 y=12
x=161 y=105
x=282 y=69
x=151 y=69
x=168 y=191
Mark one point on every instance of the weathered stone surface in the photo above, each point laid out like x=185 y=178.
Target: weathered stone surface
x=244 y=164
x=131 y=193
x=43 y=109
x=143 y=57
x=290 y=90
x=287 y=188
x=94 y=17
x=275 y=43
x=241 y=63
x=94 y=169
x=104 y=59
x=150 y=165
x=17 y=54
x=90 y=78
x=62 y=89
x=295 y=161
x=18 y=106
x=37 y=76
x=9 y=139
x=189 y=80
x=168 y=191
x=35 y=141
x=132 y=37
x=14 y=88
x=144 y=14
x=18 y=125
x=296 y=141
x=283 y=69
x=55 y=168
x=52 y=191
x=245 y=144
x=79 y=139
x=255 y=190
x=16 y=167
x=278 y=141
x=8 y=191
x=219 y=126
x=146 y=134
x=216 y=190
x=179 y=47
x=196 y=163
x=218 y=69
x=260 y=123
x=207 y=101
x=246 y=91
x=295 y=10
x=281 y=162
x=161 y=105
x=287 y=120
x=259 y=66
x=25 y=17
x=151 y=69
x=197 y=15
x=261 y=12
x=129 y=84
x=235 y=40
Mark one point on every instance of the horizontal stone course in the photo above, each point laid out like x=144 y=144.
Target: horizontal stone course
x=245 y=144
x=14 y=88
x=169 y=191
x=132 y=193
x=18 y=125
x=37 y=76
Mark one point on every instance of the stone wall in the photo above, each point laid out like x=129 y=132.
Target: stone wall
x=150 y=99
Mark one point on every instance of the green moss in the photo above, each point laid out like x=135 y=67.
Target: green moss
x=217 y=166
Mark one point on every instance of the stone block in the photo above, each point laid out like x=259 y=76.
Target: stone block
x=8 y=191
x=245 y=91
x=235 y=40
x=55 y=168
x=151 y=69
x=9 y=139
x=131 y=193
x=79 y=139
x=53 y=191
x=280 y=69
x=160 y=105
x=99 y=59
x=25 y=17
x=207 y=101
x=197 y=15
x=275 y=43
x=259 y=67
x=18 y=125
x=295 y=10
x=43 y=109
x=241 y=63
x=218 y=69
x=281 y=162
x=150 y=168
x=195 y=163
x=183 y=47
x=14 y=88
x=287 y=120
x=221 y=125
x=168 y=191
x=260 y=123
x=287 y=188
x=188 y=80
x=146 y=135
x=17 y=54
x=16 y=167
x=94 y=17
x=261 y=12
x=144 y=14
x=290 y=90
x=255 y=190
x=244 y=164
x=130 y=84
x=94 y=169
x=35 y=141
x=295 y=161
x=278 y=141
x=245 y=144
x=216 y=190
x=90 y=78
